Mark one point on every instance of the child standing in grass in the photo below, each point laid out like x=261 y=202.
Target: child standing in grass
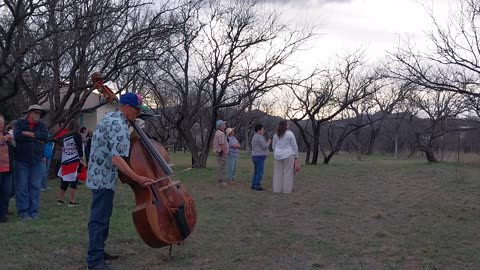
x=72 y=160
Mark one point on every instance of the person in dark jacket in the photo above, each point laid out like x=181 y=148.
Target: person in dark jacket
x=30 y=135
x=88 y=145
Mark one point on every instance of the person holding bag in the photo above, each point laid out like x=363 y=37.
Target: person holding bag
x=285 y=153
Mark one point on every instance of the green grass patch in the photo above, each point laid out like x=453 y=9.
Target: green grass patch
x=374 y=213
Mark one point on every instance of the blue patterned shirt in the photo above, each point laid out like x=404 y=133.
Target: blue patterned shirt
x=110 y=139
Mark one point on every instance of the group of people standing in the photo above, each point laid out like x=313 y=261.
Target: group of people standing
x=23 y=153
x=227 y=149
x=285 y=153
x=26 y=152
x=22 y=163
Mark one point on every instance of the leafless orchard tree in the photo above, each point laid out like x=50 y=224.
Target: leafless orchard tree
x=395 y=129
x=373 y=111
x=338 y=130
x=74 y=38
x=452 y=65
x=227 y=53
x=325 y=96
x=111 y=38
x=17 y=39
x=439 y=108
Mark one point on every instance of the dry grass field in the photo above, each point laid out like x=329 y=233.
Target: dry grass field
x=378 y=213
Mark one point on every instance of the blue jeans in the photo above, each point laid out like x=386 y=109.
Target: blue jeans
x=231 y=167
x=27 y=188
x=6 y=183
x=45 y=174
x=100 y=212
x=259 y=164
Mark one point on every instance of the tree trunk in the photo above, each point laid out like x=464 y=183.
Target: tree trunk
x=203 y=158
x=430 y=156
x=396 y=146
x=429 y=152
x=315 y=151
x=247 y=144
x=316 y=145
x=371 y=143
x=309 y=149
x=195 y=155
x=327 y=158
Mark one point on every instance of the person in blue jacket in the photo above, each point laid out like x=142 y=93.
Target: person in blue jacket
x=48 y=153
x=30 y=135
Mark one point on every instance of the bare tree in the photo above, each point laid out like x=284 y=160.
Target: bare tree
x=328 y=94
x=67 y=40
x=437 y=108
x=337 y=131
x=394 y=129
x=452 y=64
x=374 y=110
x=17 y=40
x=227 y=53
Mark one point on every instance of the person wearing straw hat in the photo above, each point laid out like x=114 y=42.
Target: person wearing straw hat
x=30 y=135
x=233 y=154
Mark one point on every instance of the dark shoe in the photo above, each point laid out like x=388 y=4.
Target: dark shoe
x=73 y=204
x=109 y=257
x=100 y=266
x=59 y=202
x=257 y=188
x=3 y=219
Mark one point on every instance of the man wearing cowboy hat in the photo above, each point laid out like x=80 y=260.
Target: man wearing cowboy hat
x=30 y=135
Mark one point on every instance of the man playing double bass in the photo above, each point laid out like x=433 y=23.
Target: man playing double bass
x=110 y=144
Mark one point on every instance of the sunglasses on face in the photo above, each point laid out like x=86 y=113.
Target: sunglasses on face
x=136 y=109
x=37 y=112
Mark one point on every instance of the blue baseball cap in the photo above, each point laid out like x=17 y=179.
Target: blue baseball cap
x=220 y=122
x=134 y=100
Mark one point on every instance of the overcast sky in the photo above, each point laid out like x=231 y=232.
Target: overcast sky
x=375 y=25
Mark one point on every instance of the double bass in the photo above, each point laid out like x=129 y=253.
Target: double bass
x=164 y=212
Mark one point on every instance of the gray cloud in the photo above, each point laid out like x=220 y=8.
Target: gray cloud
x=303 y=1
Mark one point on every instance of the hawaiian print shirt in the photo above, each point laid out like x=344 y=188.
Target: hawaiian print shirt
x=110 y=139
